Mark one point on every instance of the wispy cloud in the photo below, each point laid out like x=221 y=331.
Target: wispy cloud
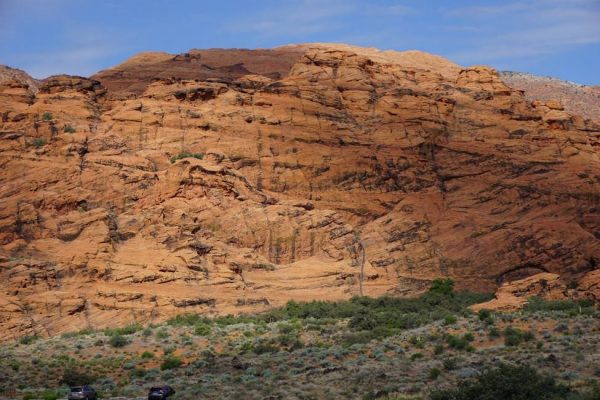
x=392 y=10
x=461 y=28
x=81 y=51
x=62 y=44
x=530 y=29
x=488 y=10
x=295 y=18
x=306 y=17
x=76 y=61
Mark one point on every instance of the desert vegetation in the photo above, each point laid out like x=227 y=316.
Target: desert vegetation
x=186 y=154
x=430 y=347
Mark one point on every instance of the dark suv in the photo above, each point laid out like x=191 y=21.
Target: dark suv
x=83 y=393
x=160 y=392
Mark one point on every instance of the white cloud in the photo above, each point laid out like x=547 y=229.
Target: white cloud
x=462 y=28
x=75 y=61
x=531 y=29
x=390 y=10
x=81 y=51
x=305 y=17
x=295 y=18
x=488 y=10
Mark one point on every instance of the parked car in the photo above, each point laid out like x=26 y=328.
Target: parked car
x=83 y=393
x=160 y=392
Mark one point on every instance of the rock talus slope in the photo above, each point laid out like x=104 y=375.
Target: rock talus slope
x=327 y=172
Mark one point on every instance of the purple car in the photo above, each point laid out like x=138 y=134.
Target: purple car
x=160 y=392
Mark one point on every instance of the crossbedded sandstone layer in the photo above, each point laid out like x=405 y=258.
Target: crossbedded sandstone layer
x=230 y=184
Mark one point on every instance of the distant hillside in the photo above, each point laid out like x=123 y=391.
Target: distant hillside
x=575 y=98
x=8 y=74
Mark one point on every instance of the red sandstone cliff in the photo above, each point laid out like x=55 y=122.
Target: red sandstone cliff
x=311 y=154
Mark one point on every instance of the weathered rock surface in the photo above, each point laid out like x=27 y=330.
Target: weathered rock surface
x=515 y=294
x=328 y=171
x=575 y=98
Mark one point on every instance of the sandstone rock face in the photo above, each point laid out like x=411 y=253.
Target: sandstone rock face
x=326 y=172
x=515 y=294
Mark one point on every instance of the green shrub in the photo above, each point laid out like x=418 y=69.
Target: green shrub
x=287 y=328
x=450 y=320
x=239 y=319
x=514 y=336
x=37 y=396
x=28 y=339
x=506 y=382
x=246 y=347
x=74 y=377
x=82 y=332
x=385 y=315
x=138 y=373
x=461 y=342
x=417 y=341
x=484 y=315
x=382 y=316
x=264 y=346
x=208 y=355
x=162 y=334
x=49 y=395
x=185 y=154
x=363 y=321
x=69 y=129
x=494 y=332
x=39 y=142
x=118 y=341
x=147 y=354
x=125 y=330
x=442 y=286
x=535 y=304
x=202 y=329
x=188 y=319
x=539 y=345
x=450 y=364
x=290 y=341
x=439 y=349
x=434 y=373
x=170 y=362
x=47 y=116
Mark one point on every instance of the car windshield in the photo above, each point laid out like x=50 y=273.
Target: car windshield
x=76 y=390
x=156 y=390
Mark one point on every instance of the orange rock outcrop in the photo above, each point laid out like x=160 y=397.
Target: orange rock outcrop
x=326 y=172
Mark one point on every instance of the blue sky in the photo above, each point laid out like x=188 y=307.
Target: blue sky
x=558 y=38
